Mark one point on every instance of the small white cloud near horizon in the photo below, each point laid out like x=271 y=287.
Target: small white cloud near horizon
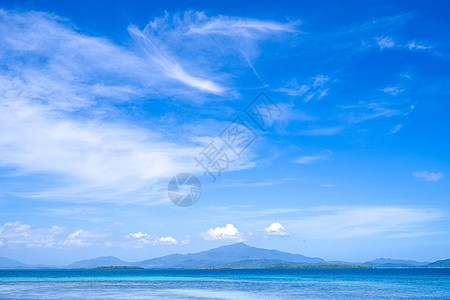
x=186 y=240
x=428 y=176
x=140 y=239
x=137 y=240
x=16 y=235
x=313 y=158
x=140 y=235
x=276 y=229
x=83 y=238
x=166 y=241
x=227 y=233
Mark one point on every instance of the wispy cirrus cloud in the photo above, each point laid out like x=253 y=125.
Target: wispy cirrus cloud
x=244 y=212
x=314 y=88
x=388 y=43
x=248 y=28
x=385 y=42
x=417 y=46
x=55 y=111
x=366 y=36
x=168 y=64
x=161 y=37
x=396 y=128
x=240 y=183
x=367 y=111
x=428 y=176
x=393 y=90
x=340 y=222
x=61 y=120
x=308 y=159
x=92 y=156
x=322 y=131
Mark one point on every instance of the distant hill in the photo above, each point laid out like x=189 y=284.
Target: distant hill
x=387 y=262
x=102 y=261
x=440 y=263
x=6 y=263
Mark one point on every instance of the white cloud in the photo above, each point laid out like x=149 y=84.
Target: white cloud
x=413 y=46
x=186 y=241
x=322 y=131
x=140 y=235
x=373 y=110
x=17 y=235
x=240 y=183
x=314 y=88
x=428 y=176
x=329 y=185
x=247 y=28
x=137 y=240
x=339 y=222
x=166 y=241
x=394 y=90
x=276 y=229
x=229 y=232
x=88 y=213
x=246 y=212
x=396 y=128
x=161 y=35
x=385 y=42
x=112 y=159
x=313 y=158
x=169 y=65
x=59 y=119
x=43 y=132
x=55 y=115
x=83 y=238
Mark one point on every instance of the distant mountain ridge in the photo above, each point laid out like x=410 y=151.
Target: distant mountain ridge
x=220 y=256
x=11 y=263
x=237 y=255
x=6 y=263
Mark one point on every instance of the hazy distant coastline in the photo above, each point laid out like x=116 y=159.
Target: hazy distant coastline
x=236 y=256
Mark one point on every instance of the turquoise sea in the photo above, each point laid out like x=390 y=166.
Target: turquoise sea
x=226 y=284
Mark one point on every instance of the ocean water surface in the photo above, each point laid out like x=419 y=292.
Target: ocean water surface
x=226 y=284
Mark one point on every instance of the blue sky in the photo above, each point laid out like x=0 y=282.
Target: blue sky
x=103 y=103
